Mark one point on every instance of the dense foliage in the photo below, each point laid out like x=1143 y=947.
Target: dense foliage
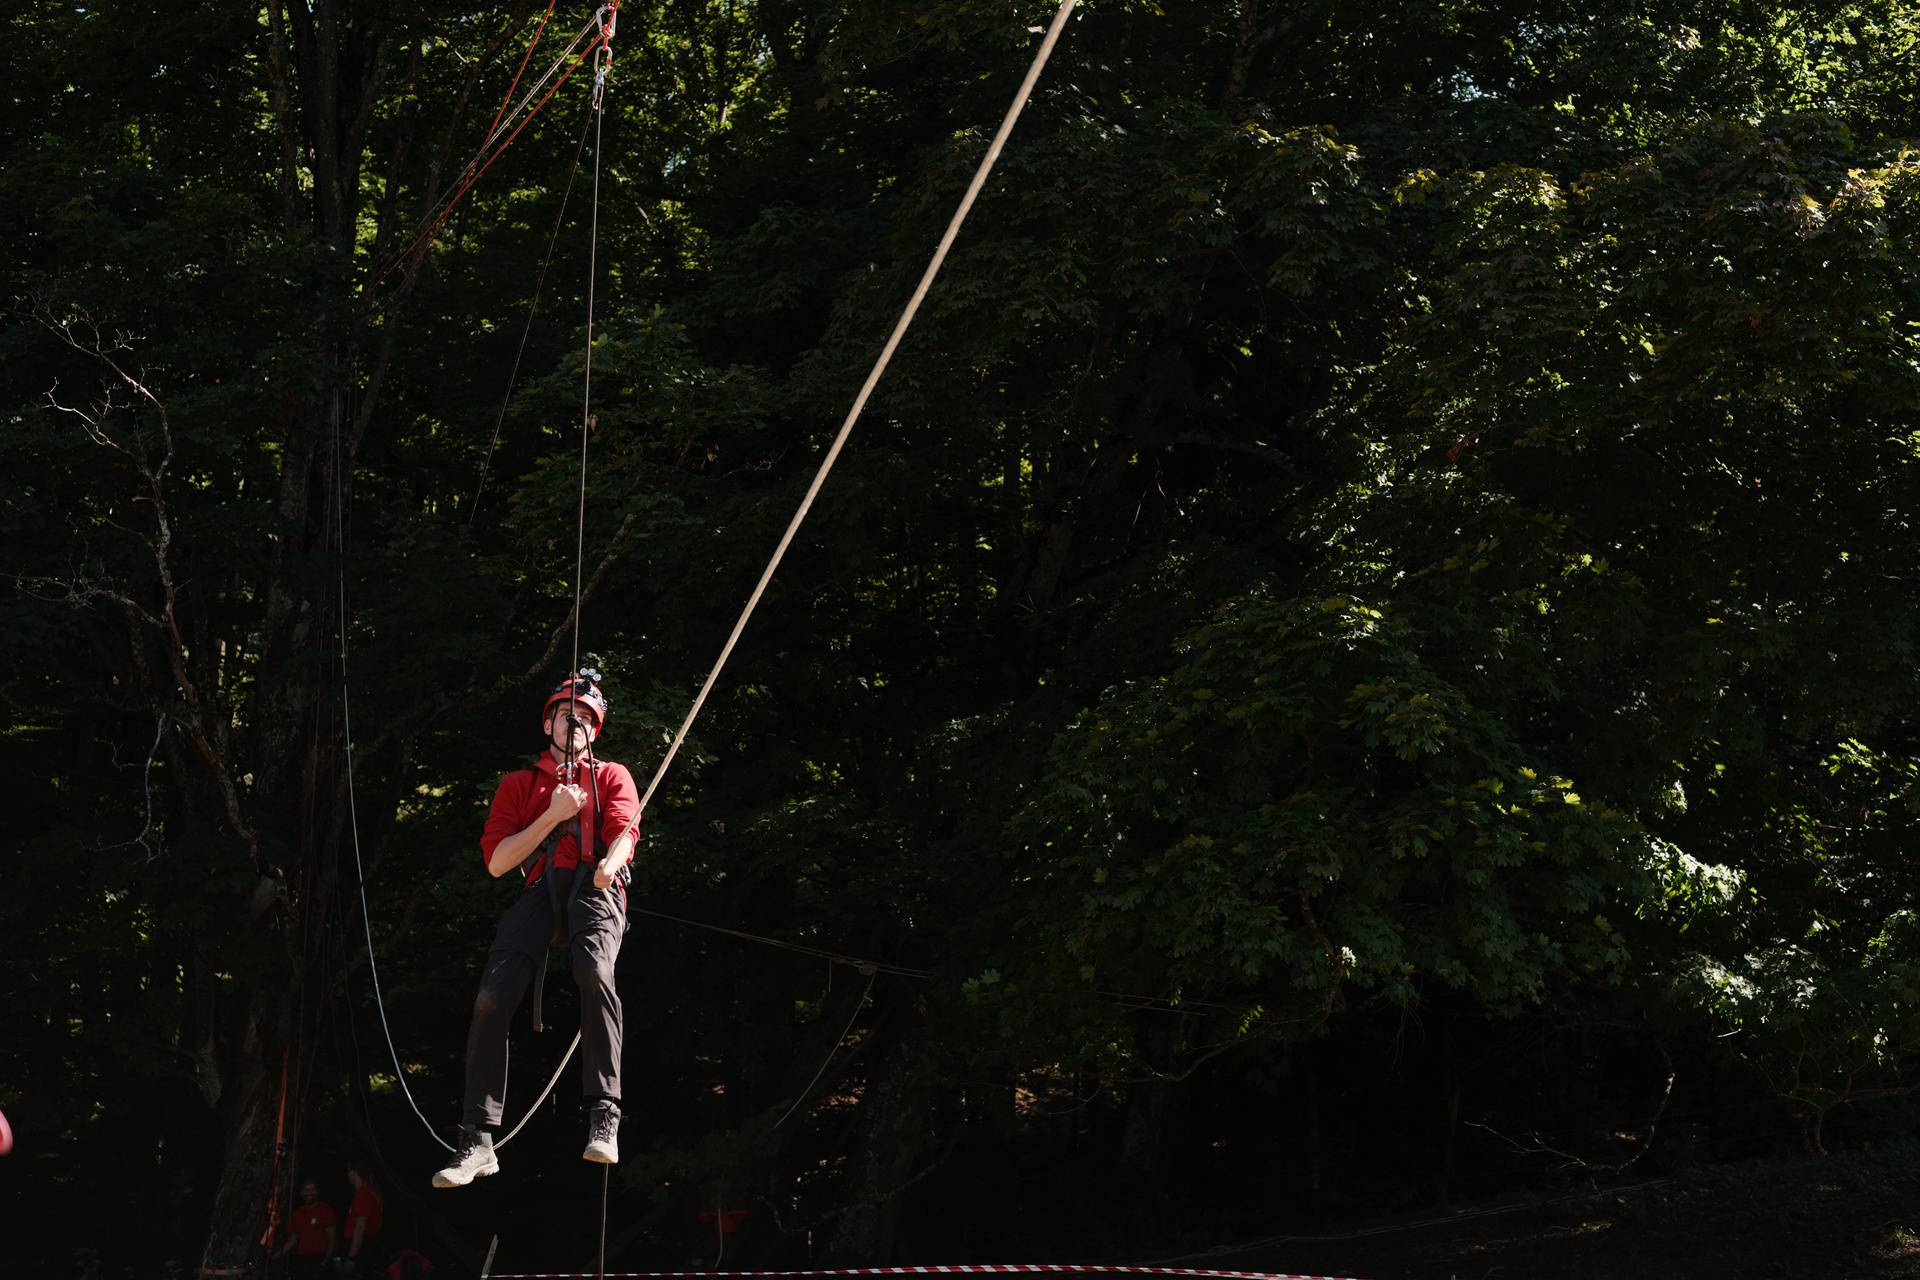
x=1364 y=652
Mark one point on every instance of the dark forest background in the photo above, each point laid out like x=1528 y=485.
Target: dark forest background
x=1365 y=648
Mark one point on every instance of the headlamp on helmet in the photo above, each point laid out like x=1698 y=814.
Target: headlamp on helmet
x=580 y=690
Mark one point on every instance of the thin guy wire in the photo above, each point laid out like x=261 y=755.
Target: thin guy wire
x=873 y=378
x=442 y=207
x=353 y=813
x=502 y=122
x=801 y=948
x=360 y=877
x=533 y=307
x=845 y=1031
x=1125 y=999
x=521 y=70
x=440 y=201
x=586 y=401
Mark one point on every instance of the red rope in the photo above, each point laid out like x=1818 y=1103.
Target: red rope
x=416 y=248
x=525 y=58
x=279 y=1146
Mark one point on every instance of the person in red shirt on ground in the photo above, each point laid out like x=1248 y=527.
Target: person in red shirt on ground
x=312 y=1234
x=574 y=896
x=409 y=1264
x=364 y=1218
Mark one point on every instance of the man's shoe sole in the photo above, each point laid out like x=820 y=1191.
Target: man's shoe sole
x=601 y=1154
x=442 y=1180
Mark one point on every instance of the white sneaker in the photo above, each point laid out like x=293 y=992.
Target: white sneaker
x=474 y=1159
x=603 y=1134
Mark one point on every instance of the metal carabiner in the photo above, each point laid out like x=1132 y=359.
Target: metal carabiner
x=602 y=63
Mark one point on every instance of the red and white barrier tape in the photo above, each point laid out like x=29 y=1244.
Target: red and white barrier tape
x=987 y=1268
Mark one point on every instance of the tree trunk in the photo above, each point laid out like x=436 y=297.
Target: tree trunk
x=897 y=1116
x=1316 y=1164
x=336 y=57
x=1146 y=1148
x=250 y=1107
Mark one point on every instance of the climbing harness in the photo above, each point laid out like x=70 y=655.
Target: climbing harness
x=540 y=868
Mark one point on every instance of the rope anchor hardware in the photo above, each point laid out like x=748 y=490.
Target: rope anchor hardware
x=602 y=63
x=609 y=17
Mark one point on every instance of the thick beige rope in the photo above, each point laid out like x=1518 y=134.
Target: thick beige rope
x=873 y=379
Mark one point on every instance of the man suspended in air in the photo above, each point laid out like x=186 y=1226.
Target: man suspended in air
x=573 y=897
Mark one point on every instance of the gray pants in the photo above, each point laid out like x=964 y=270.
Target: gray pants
x=596 y=920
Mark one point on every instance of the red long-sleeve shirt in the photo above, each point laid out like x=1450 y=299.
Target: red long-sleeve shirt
x=612 y=809
x=366 y=1204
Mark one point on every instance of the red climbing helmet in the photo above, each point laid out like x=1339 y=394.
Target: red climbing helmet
x=583 y=689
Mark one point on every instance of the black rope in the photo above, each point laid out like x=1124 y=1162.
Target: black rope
x=1187 y=1008
x=857 y=962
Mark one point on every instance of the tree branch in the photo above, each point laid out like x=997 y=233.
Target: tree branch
x=82 y=335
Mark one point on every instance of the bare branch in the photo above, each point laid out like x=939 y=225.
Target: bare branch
x=593 y=583
x=1205 y=1054
x=80 y=593
x=146 y=776
x=80 y=333
x=1571 y=1161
